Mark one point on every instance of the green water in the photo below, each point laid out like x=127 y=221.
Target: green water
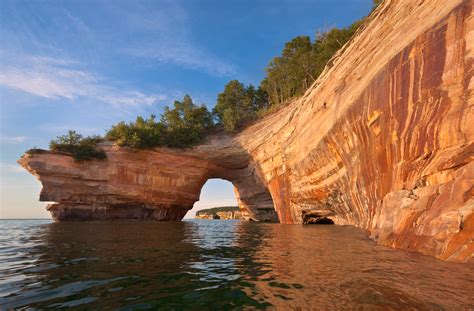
x=200 y=265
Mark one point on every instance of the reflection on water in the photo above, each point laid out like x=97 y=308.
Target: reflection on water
x=218 y=264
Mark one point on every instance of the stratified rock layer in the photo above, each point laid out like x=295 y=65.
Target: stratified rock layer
x=160 y=184
x=222 y=213
x=384 y=140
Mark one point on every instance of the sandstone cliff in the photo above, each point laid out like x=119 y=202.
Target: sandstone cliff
x=223 y=213
x=383 y=140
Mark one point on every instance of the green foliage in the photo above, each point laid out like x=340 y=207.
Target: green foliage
x=81 y=148
x=328 y=43
x=215 y=210
x=292 y=72
x=183 y=126
x=238 y=104
x=143 y=133
x=36 y=150
x=301 y=63
x=186 y=124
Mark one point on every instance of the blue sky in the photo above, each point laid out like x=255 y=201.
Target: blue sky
x=86 y=65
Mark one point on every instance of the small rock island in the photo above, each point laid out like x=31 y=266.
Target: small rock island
x=222 y=213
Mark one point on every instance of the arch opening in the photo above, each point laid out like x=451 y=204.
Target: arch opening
x=215 y=193
x=243 y=197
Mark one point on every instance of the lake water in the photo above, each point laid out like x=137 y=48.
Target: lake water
x=216 y=264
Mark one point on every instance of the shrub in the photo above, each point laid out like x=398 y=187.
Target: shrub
x=140 y=134
x=302 y=62
x=36 y=150
x=238 y=104
x=79 y=147
x=185 y=125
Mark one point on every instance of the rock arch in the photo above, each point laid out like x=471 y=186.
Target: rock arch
x=384 y=140
x=161 y=184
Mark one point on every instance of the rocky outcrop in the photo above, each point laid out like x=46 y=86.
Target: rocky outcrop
x=383 y=140
x=222 y=213
x=229 y=215
x=161 y=184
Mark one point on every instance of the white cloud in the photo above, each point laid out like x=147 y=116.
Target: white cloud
x=57 y=78
x=164 y=34
x=158 y=31
x=55 y=128
x=184 y=55
x=12 y=139
x=47 y=82
x=131 y=98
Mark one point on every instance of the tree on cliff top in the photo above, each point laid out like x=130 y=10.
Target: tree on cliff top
x=184 y=125
x=143 y=133
x=238 y=104
x=81 y=148
x=292 y=72
x=302 y=62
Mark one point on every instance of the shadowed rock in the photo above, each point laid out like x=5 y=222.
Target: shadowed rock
x=317 y=217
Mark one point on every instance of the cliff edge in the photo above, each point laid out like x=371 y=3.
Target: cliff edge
x=383 y=140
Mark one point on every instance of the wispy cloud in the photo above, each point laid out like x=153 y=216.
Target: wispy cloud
x=57 y=78
x=185 y=55
x=12 y=139
x=164 y=34
x=55 y=128
x=160 y=31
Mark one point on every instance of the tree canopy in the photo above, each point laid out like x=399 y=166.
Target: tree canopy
x=237 y=104
x=184 y=125
x=302 y=62
x=81 y=148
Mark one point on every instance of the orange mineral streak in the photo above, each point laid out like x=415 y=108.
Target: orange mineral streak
x=383 y=140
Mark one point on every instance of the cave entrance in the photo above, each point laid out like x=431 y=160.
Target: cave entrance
x=215 y=193
x=317 y=217
x=321 y=221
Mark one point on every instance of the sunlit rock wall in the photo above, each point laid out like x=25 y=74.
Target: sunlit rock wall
x=160 y=184
x=383 y=140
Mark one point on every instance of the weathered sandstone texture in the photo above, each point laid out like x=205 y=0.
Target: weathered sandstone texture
x=221 y=216
x=383 y=140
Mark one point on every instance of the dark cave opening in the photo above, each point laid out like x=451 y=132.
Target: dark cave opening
x=317 y=218
x=322 y=221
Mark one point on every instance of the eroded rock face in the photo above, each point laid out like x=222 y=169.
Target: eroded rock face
x=223 y=215
x=384 y=140
x=160 y=184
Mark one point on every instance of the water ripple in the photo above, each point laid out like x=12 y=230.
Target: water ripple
x=223 y=264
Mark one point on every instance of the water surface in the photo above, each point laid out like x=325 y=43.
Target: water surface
x=216 y=264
